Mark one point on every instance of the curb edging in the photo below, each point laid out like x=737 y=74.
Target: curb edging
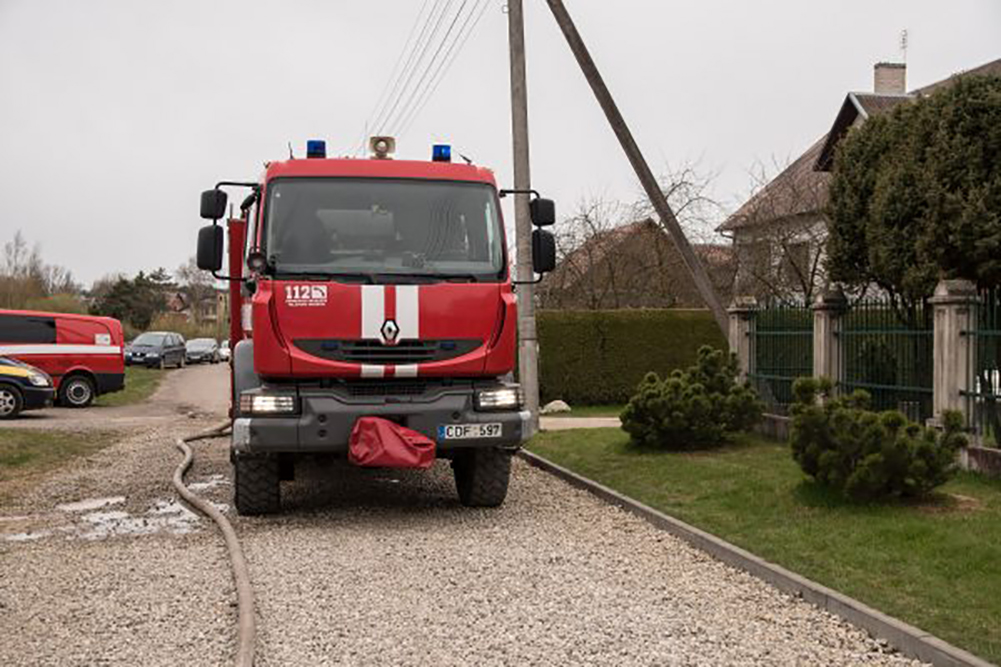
x=909 y=640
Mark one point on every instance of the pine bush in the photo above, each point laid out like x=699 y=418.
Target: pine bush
x=869 y=455
x=694 y=408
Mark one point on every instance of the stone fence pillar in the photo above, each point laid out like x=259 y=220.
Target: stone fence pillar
x=827 y=311
x=955 y=311
x=741 y=330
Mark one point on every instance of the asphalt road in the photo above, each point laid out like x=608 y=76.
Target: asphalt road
x=371 y=567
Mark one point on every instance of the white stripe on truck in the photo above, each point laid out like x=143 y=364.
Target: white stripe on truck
x=60 y=349
x=408 y=307
x=373 y=310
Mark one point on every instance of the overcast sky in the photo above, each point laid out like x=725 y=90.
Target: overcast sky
x=115 y=114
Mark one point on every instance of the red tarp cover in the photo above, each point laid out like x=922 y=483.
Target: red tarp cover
x=380 y=443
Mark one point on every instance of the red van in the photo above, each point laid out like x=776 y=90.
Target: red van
x=83 y=354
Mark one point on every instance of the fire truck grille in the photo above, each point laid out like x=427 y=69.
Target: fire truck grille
x=380 y=388
x=373 y=352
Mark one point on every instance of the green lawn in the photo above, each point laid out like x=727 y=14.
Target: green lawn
x=936 y=565
x=140 y=383
x=591 y=411
x=25 y=453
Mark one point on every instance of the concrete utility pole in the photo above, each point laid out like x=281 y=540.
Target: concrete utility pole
x=528 y=347
x=640 y=166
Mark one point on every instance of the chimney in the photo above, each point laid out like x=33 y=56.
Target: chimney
x=890 y=78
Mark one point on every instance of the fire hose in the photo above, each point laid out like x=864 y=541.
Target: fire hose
x=246 y=625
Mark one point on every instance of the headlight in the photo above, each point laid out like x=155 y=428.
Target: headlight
x=265 y=404
x=506 y=398
x=38 y=380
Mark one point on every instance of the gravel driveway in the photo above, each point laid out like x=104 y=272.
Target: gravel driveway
x=375 y=568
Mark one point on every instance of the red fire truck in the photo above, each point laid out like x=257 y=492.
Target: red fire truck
x=373 y=307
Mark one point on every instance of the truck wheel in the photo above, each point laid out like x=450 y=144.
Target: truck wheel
x=481 y=476
x=257 y=489
x=10 y=402
x=76 y=391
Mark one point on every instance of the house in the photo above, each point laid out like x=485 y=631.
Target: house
x=213 y=306
x=779 y=234
x=632 y=266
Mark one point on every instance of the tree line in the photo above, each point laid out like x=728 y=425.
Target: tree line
x=147 y=299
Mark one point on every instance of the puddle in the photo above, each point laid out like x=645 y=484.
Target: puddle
x=165 y=516
x=209 y=483
x=96 y=518
x=27 y=537
x=90 y=504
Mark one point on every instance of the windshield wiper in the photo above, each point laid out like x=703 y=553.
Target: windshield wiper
x=367 y=278
x=432 y=277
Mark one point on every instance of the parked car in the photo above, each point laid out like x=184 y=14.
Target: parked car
x=156 y=349
x=224 y=352
x=81 y=353
x=23 y=387
x=200 y=350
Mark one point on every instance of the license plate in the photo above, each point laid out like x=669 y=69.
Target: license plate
x=468 y=431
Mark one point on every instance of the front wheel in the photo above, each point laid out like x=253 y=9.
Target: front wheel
x=481 y=476
x=256 y=485
x=77 y=392
x=11 y=402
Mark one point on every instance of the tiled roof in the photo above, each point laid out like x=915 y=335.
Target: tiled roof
x=782 y=198
x=797 y=190
x=605 y=243
x=992 y=68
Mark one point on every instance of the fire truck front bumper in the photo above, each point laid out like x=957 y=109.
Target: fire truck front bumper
x=324 y=418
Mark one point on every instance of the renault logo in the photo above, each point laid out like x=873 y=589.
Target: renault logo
x=390 y=330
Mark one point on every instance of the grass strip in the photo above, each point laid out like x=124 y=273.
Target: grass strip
x=140 y=384
x=933 y=564
x=26 y=453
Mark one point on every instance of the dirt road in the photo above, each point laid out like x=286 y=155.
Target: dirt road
x=373 y=568
x=201 y=391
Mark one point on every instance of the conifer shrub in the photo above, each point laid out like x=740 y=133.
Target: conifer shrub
x=869 y=455
x=694 y=408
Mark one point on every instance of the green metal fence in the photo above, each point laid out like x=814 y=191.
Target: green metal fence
x=782 y=350
x=887 y=350
x=984 y=395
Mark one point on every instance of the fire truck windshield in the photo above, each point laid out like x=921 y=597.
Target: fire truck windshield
x=385 y=227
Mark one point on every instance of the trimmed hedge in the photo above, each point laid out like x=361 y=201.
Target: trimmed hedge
x=599 y=357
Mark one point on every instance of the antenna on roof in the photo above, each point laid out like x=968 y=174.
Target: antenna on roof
x=903 y=45
x=291 y=156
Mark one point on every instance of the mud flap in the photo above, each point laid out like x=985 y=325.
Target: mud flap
x=380 y=443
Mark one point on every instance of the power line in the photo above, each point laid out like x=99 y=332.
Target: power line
x=446 y=64
x=420 y=58
x=430 y=64
x=394 y=75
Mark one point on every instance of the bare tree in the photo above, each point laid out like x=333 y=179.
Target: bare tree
x=25 y=278
x=615 y=254
x=780 y=234
x=197 y=286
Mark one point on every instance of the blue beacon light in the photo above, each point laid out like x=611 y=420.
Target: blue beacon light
x=316 y=148
x=441 y=153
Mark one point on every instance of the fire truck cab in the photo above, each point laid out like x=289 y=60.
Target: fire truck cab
x=371 y=288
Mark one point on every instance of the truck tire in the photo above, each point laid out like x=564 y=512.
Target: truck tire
x=77 y=391
x=10 y=401
x=481 y=476
x=256 y=485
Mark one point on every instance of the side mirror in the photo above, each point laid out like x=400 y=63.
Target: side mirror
x=543 y=212
x=209 y=256
x=543 y=251
x=213 y=204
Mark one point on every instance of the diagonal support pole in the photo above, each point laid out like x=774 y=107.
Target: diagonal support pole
x=640 y=166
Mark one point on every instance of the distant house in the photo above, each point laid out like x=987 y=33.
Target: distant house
x=211 y=307
x=779 y=234
x=632 y=266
